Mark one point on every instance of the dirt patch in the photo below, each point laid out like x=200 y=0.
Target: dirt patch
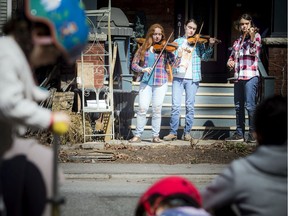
x=218 y=152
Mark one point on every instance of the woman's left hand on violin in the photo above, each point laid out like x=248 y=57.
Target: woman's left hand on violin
x=252 y=32
x=180 y=52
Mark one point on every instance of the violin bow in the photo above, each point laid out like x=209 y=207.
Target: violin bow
x=197 y=38
x=199 y=35
x=164 y=47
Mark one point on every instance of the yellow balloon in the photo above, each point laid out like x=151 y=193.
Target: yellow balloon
x=60 y=127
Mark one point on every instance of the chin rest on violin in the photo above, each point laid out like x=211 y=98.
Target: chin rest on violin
x=201 y=39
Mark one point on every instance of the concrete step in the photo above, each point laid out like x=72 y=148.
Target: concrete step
x=136 y=85
x=214 y=112
x=197 y=105
x=197 y=132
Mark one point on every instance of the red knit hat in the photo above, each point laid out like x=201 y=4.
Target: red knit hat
x=169 y=186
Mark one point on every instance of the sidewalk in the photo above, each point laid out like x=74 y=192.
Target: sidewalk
x=144 y=142
x=108 y=171
x=140 y=171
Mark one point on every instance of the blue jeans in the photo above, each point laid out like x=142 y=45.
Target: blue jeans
x=146 y=93
x=178 y=86
x=245 y=97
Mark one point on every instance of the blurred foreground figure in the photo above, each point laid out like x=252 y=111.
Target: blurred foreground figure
x=45 y=31
x=171 y=196
x=257 y=184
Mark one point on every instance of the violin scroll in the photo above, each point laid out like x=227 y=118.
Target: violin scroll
x=255 y=29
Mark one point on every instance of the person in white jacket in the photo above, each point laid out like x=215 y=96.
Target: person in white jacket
x=36 y=37
x=257 y=184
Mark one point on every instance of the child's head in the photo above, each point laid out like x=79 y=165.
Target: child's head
x=271 y=121
x=48 y=23
x=169 y=192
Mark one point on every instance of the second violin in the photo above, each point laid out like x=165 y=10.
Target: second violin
x=201 y=39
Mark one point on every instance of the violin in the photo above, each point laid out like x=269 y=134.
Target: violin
x=256 y=30
x=170 y=47
x=201 y=39
x=140 y=40
x=248 y=32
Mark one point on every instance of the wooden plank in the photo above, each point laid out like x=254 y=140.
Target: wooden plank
x=86 y=76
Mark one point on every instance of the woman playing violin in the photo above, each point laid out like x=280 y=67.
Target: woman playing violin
x=154 y=82
x=186 y=77
x=243 y=60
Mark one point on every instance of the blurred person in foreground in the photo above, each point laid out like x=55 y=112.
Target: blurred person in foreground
x=257 y=184
x=38 y=36
x=171 y=196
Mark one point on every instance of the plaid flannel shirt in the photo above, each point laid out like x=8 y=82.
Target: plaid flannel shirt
x=246 y=55
x=160 y=72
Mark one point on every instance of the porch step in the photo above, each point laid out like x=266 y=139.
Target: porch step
x=214 y=112
x=197 y=105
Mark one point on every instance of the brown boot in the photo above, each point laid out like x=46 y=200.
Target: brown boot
x=135 y=139
x=156 y=140
x=187 y=137
x=170 y=137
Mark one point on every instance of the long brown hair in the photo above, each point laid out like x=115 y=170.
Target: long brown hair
x=149 y=39
x=20 y=28
x=191 y=20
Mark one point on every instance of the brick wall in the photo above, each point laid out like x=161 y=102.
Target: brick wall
x=278 y=68
x=277 y=63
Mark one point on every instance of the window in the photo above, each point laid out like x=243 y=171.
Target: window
x=204 y=12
